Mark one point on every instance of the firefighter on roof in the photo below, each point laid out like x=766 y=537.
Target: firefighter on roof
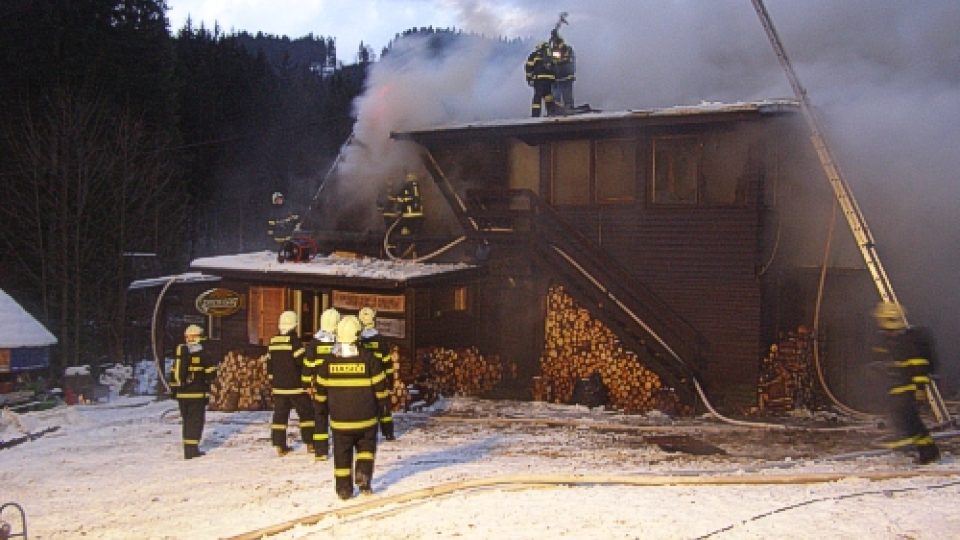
x=541 y=75
x=403 y=215
x=285 y=369
x=907 y=357
x=371 y=340
x=565 y=65
x=281 y=226
x=353 y=390
x=318 y=352
x=193 y=373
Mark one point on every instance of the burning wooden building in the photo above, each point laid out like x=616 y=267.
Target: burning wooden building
x=655 y=247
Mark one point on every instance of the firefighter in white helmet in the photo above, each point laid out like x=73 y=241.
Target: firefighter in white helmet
x=353 y=394
x=194 y=370
x=906 y=354
x=285 y=369
x=318 y=352
x=373 y=341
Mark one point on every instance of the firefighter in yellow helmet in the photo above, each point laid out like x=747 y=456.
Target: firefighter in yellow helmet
x=373 y=341
x=318 y=352
x=285 y=370
x=906 y=354
x=541 y=75
x=352 y=389
x=194 y=370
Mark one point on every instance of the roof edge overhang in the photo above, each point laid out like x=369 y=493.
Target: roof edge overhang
x=599 y=123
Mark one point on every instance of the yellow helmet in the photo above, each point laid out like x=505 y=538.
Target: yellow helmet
x=368 y=317
x=288 y=321
x=193 y=333
x=348 y=329
x=411 y=177
x=890 y=316
x=329 y=319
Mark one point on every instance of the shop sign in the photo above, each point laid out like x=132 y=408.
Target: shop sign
x=387 y=303
x=219 y=302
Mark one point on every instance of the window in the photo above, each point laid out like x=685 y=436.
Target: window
x=571 y=173
x=588 y=172
x=524 y=166
x=676 y=170
x=616 y=170
x=448 y=299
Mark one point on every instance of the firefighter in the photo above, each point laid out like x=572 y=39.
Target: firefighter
x=372 y=340
x=565 y=67
x=353 y=391
x=285 y=369
x=906 y=355
x=281 y=226
x=541 y=76
x=193 y=372
x=318 y=352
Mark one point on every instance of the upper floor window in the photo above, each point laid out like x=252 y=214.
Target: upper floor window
x=587 y=172
x=675 y=175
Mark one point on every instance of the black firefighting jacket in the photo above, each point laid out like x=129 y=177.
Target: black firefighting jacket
x=351 y=390
x=907 y=358
x=373 y=341
x=192 y=373
x=285 y=367
x=539 y=66
x=318 y=351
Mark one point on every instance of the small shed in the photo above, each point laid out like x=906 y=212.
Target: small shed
x=24 y=342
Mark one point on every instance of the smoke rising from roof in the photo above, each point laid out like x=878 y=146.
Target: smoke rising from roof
x=882 y=73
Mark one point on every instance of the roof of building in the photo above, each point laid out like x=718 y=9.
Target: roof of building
x=186 y=277
x=600 y=121
x=18 y=328
x=333 y=269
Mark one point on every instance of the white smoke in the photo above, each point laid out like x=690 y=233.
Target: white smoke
x=883 y=73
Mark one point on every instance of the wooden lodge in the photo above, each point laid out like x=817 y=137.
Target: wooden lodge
x=685 y=240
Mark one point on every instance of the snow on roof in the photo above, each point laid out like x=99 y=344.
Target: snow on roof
x=331 y=265
x=187 y=277
x=18 y=328
x=705 y=107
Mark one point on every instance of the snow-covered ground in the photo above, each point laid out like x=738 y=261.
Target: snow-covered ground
x=525 y=470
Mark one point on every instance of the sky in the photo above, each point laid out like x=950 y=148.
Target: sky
x=882 y=74
x=115 y=470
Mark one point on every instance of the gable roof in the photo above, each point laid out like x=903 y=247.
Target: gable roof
x=18 y=328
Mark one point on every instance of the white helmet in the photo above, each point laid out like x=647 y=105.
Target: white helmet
x=348 y=329
x=193 y=333
x=288 y=321
x=368 y=317
x=277 y=198
x=329 y=319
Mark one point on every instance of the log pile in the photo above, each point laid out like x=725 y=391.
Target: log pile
x=463 y=372
x=577 y=345
x=787 y=374
x=399 y=394
x=241 y=385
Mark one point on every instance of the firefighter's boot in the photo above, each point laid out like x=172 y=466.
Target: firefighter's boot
x=363 y=482
x=927 y=453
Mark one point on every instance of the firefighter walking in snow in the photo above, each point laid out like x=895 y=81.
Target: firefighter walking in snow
x=353 y=395
x=907 y=357
x=318 y=352
x=285 y=369
x=193 y=372
x=541 y=76
x=371 y=340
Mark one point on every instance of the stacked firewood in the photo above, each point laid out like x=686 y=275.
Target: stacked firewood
x=463 y=372
x=399 y=394
x=242 y=384
x=787 y=374
x=577 y=345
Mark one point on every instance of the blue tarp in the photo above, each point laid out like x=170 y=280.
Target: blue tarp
x=26 y=358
